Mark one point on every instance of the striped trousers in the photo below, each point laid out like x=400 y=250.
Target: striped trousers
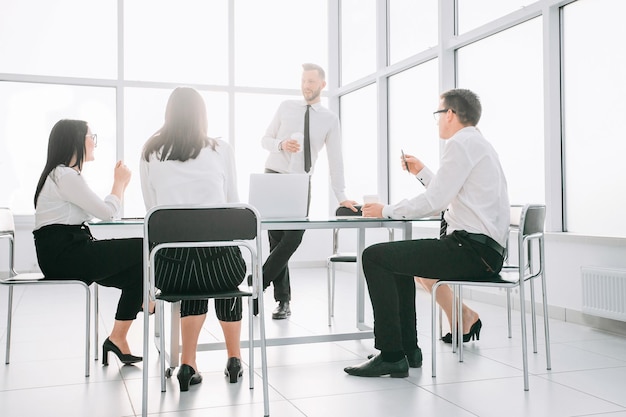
x=201 y=270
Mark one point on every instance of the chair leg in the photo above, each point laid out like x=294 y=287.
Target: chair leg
x=329 y=285
x=161 y=307
x=9 y=321
x=96 y=315
x=87 y=329
x=522 y=300
x=544 y=295
x=455 y=319
x=508 y=311
x=546 y=325
x=460 y=324
x=251 y=342
x=533 y=315
x=433 y=325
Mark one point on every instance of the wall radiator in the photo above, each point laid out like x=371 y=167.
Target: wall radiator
x=604 y=292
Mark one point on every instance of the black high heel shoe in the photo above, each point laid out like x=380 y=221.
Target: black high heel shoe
x=233 y=369
x=473 y=332
x=125 y=358
x=187 y=376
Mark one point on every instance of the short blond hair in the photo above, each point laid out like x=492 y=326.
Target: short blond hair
x=310 y=67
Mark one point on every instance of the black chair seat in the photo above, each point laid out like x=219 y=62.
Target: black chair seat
x=172 y=298
x=342 y=258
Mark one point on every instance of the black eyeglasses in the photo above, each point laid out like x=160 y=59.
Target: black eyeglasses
x=437 y=113
x=94 y=137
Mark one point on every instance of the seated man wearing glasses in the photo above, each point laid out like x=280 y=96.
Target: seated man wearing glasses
x=471 y=187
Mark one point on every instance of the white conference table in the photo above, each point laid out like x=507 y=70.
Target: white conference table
x=362 y=330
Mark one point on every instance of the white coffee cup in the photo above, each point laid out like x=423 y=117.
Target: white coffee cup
x=370 y=198
x=299 y=136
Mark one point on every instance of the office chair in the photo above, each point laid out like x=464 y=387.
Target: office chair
x=531 y=230
x=203 y=226
x=7 y=231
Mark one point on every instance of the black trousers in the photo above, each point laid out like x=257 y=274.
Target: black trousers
x=283 y=243
x=71 y=252
x=389 y=270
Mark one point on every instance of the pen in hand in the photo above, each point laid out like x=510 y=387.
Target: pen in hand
x=406 y=164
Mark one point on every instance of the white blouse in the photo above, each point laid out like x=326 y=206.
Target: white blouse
x=67 y=199
x=210 y=178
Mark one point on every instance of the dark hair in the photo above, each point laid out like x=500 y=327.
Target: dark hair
x=465 y=104
x=310 y=67
x=184 y=133
x=67 y=141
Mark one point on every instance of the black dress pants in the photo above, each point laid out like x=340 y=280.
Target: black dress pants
x=71 y=252
x=283 y=244
x=389 y=270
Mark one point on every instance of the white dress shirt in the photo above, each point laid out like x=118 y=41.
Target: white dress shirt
x=210 y=178
x=470 y=183
x=67 y=199
x=323 y=130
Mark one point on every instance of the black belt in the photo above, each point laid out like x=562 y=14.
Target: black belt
x=486 y=240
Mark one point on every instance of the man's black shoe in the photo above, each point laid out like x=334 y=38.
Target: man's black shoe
x=377 y=367
x=414 y=358
x=282 y=311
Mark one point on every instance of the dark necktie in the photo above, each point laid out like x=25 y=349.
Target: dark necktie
x=307 y=141
x=443 y=226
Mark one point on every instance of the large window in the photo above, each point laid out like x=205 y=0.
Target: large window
x=358 y=39
x=63 y=38
x=505 y=70
x=182 y=41
x=413 y=96
x=28 y=113
x=273 y=38
x=473 y=13
x=360 y=139
x=412 y=28
x=593 y=70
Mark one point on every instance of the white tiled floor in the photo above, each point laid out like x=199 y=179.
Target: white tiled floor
x=45 y=376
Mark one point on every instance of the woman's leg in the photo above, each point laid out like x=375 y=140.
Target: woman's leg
x=190 y=331
x=232 y=333
x=119 y=333
x=445 y=299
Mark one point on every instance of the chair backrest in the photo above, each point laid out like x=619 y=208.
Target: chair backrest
x=202 y=223
x=532 y=219
x=7 y=225
x=343 y=212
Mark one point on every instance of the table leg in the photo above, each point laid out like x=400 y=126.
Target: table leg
x=360 y=283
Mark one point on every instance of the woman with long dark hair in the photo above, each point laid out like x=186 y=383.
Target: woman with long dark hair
x=65 y=247
x=182 y=165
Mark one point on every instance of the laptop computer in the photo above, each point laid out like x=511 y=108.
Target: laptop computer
x=278 y=196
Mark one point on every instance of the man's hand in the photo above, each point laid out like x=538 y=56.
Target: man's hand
x=372 y=210
x=414 y=164
x=349 y=204
x=290 y=145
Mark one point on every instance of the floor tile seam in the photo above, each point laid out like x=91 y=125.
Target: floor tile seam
x=621 y=359
x=445 y=399
x=603 y=368
x=582 y=392
x=371 y=390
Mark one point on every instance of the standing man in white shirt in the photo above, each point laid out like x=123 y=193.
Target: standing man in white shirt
x=285 y=139
x=471 y=186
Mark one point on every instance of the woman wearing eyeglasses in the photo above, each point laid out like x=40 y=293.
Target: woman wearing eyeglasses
x=65 y=247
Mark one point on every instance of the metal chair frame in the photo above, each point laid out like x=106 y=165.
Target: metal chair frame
x=531 y=230
x=203 y=226
x=7 y=231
